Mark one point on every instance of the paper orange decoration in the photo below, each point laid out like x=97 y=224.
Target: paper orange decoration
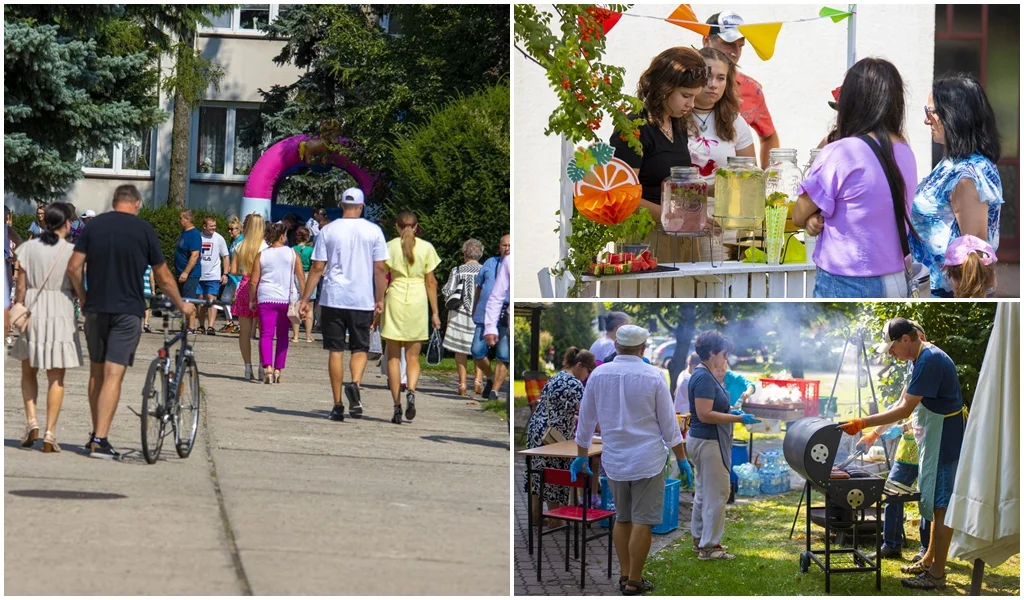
x=608 y=194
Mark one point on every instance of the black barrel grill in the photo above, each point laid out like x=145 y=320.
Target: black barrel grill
x=810 y=448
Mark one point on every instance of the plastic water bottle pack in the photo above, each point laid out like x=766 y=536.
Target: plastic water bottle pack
x=748 y=480
x=774 y=472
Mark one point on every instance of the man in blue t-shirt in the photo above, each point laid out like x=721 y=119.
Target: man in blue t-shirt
x=933 y=398
x=484 y=282
x=186 y=257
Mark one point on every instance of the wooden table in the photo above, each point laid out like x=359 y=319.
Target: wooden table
x=566 y=449
x=730 y=279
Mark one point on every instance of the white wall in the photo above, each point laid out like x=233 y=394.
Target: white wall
x=809 y=62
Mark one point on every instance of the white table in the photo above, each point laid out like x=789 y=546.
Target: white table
x=731 y=279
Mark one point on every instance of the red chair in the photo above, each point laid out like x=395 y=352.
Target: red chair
x=578 y=513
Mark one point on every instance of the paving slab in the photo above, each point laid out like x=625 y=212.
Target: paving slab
x=275 y=498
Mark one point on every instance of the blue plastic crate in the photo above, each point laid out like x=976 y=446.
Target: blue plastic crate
x=670 y=508
x=606 y=501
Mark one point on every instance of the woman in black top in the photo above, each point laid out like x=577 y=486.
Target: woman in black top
x=667 y=89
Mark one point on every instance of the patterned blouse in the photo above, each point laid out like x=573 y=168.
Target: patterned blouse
x=932 y=214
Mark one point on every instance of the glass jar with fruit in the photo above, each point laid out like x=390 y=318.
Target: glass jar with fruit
x=783 y=176
x=684 y=202
x=739 y=194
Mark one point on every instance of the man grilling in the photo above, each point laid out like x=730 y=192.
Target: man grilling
x=933 y=398
x=631 y=402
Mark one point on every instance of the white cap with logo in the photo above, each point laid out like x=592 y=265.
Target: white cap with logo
x=353 y=195
x=89 y=214
x=725 y=25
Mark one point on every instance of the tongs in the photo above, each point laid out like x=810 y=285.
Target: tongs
x=852 y=458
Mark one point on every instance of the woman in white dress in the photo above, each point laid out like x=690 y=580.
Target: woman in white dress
x=51 y=340
x=458 y=337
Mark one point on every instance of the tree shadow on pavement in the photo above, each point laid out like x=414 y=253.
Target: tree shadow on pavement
x=461 y=440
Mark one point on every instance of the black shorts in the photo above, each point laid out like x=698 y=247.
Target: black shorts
x=335 y=323
x=112 y=338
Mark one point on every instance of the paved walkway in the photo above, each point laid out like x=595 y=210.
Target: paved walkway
x=555 y=581
x=275 y=498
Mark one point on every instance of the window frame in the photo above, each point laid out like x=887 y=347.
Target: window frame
x=116 y=170
x=229 y=176
x=235 y=30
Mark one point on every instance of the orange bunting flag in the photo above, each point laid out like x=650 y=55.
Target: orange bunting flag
x=683 y=12
x=762 y=37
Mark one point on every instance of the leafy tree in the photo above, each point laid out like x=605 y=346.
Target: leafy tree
x=570 y=324
x=453 y=172
x=371 y=87
x=75 y=78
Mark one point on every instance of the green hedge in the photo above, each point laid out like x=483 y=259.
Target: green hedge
x=163 y=219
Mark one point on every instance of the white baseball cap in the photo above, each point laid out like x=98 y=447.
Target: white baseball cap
x=724 y=24
x=89 y=214
x=631 y=335
x=353 y=195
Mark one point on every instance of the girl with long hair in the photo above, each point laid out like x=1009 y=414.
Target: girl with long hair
x=716 y=128
x=242 y=264
x=304 y=249
x=51 y=340
x=845 y=199
x=234 y=240
x=272 y=288
x=963 y=194
x=412 y=288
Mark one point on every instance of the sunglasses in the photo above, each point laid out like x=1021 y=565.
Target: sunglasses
x=929 y=112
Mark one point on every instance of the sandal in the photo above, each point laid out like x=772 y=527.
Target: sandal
x=925 y=581
x=277 y=376
x=31 y=434
x=915 y=568
x=462 y=390
x=715 y=554
x=639 y=587
x=696 y=546
x=478 y=388
x=50 y=443
x=268 y=375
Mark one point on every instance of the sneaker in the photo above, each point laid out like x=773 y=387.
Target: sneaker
x=925 y=581
x=410 y=406
x=917 y=557
x=355 y=407
x=103 y=449
x=337 y=413
x=493 y=396
x=396 y=418
x=486 y=393
x=146 y=328
x=888 y=552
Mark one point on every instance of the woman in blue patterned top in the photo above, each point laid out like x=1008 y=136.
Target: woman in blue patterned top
x=962 y=195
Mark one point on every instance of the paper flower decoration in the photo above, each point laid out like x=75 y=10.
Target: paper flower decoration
x=608 y=193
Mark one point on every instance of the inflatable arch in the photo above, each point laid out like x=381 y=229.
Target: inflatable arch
x=286 y=157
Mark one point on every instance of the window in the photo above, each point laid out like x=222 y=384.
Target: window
x=391 y=24
x=225 y=142
x=247 y=19
x=133 y=157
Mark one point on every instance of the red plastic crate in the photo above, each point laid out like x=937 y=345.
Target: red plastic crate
x=808 y=392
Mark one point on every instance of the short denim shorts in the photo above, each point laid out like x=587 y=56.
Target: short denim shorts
x=827 y=285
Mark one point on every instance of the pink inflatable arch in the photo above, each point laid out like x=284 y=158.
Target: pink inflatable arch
x=286 y=157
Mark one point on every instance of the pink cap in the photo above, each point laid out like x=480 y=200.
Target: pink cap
x=958 y=249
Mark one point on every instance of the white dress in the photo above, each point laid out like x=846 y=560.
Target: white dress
x=51 y=340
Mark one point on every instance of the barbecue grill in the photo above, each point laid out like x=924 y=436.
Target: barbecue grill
x=810 y=447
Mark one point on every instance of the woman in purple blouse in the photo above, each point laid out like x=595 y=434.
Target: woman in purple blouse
x=845 y=198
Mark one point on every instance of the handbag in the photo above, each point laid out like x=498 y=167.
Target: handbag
x=454 y=293
x=503 y=317
x=293 y=299
x=901 y=219
x=434 y=350
x=376 y=345
x=19 y=314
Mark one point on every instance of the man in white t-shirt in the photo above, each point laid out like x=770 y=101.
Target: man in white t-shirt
x=213 y=255
x=682 y=400
x=604 y=347
x=350 y=255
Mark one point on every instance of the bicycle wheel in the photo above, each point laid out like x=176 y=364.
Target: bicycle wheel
x=187 y=413
x=153 y=395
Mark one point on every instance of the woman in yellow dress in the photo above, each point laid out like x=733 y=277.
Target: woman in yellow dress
x=411 y=265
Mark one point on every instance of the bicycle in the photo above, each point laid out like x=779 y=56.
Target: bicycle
x=171 y=392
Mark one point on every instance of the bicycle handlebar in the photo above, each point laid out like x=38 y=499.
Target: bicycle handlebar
x=159 y=303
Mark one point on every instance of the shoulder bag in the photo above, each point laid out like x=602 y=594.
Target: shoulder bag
x=454 y=290
x=19 y=315
x=901 y=221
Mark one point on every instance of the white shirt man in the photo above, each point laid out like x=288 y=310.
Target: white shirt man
x=214 y=250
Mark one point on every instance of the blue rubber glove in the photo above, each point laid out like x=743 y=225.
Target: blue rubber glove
x=579 y=464
x=685 y=472
x=749 y=419
x=736 y=411
x=892 y=433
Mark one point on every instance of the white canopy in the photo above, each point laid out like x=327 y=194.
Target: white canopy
x=984 y=511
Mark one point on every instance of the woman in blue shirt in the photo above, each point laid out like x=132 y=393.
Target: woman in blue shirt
x=963 y=193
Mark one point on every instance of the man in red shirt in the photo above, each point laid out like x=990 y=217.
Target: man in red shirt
x=726 y=37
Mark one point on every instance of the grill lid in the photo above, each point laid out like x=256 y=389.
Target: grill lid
x=810 y=447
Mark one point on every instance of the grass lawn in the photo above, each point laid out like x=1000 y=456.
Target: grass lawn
x=767 y=562
x=447 y=364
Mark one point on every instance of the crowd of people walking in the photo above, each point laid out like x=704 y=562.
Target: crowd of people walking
x=364 y=294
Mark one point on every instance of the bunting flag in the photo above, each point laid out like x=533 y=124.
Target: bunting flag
x=762 y=37
x=684 y=17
